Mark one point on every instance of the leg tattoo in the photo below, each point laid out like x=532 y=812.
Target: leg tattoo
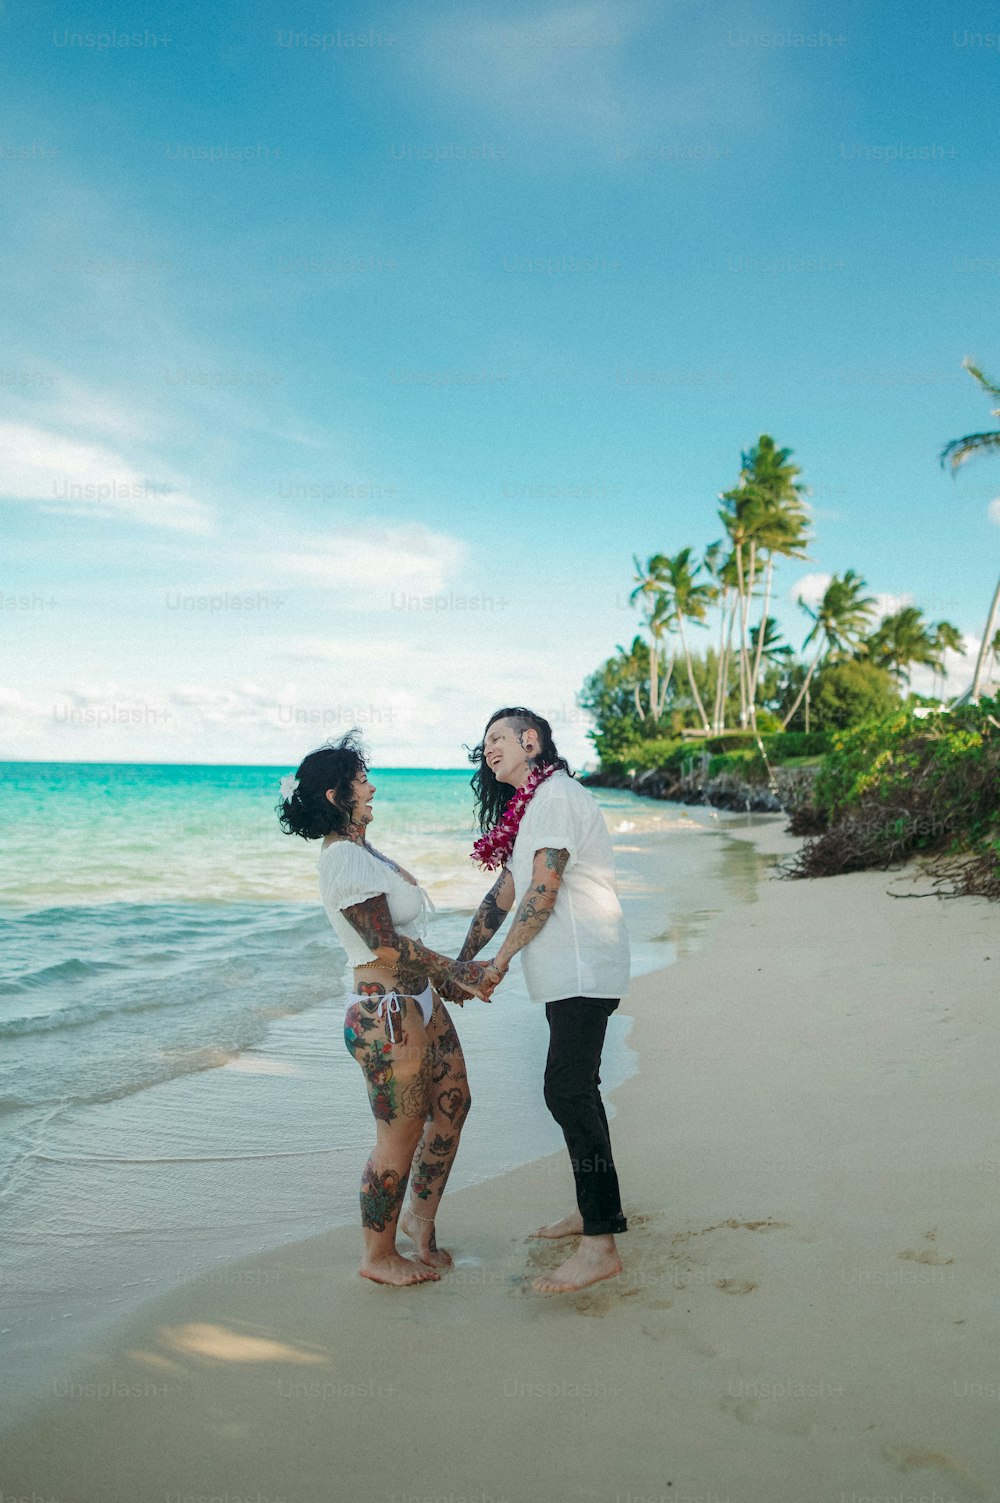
x=382 y=1192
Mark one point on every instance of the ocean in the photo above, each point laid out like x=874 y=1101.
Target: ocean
x=174 y=1086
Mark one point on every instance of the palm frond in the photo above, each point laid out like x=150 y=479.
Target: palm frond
x=984 y=381
x=961 y=449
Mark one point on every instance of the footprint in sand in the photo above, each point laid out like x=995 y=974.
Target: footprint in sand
x=765 y=1225
x=926 y=1254
x=735 y=1286
x=781 y=1417
x=758 y=1226
x=907 y=1458
x=743 y=1410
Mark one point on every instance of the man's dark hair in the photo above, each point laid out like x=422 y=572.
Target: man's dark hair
x=309 y=812
x=492 y=796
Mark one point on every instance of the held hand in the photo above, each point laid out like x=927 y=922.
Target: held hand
x=494 y=974
x=450 y=991
x=474 y=982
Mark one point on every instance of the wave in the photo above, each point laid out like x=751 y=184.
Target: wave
x=194 y=1158
x=78 y=1015
x=65 y=970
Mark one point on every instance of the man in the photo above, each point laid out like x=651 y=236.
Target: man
x=558 y=876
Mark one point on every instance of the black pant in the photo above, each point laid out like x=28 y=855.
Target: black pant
x=577 y=1026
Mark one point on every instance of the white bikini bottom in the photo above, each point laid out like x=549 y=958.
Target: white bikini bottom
x=388 y=1004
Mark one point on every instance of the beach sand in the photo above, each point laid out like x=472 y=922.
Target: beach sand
x=809 y=1157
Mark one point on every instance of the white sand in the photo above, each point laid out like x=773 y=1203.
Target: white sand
x=810 y=1159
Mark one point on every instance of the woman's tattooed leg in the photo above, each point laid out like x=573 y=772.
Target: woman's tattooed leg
x=396 y=1066
x=449 y=1105
x=382 y=1192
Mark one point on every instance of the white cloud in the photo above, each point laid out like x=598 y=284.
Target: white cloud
x=993 y=510
x=959 y=669
x=377 y=558
x=810 y=588
x=889 y=605
x=91 y=480
x=76 y=406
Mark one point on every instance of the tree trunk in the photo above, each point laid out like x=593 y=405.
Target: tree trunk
x=654 y=663
x=727 y=657
x=751 y=580
x=718 y=710
x=743 y=616
x=666 y=683
x=694 y=687
x=760 y=630
x=805 y=687
x=984 y=647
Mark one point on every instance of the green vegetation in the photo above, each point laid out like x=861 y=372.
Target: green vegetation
x=851 y=692
x=893 y=788
x=735 y=749
x=853 y=666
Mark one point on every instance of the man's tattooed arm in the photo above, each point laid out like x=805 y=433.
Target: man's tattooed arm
x=413 y=961
x=536 y=905
x=489 y=915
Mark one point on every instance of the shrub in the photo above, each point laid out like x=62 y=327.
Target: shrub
x=894 y=787
x=850 y=693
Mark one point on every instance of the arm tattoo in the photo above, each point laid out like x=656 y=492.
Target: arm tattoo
x=414 y=961
x=538 y=902
x=489 y=916
x=533 y=914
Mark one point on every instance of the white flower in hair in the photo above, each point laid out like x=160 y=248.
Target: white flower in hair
x=289 y=783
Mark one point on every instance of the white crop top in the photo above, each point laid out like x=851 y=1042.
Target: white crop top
x=349 y=874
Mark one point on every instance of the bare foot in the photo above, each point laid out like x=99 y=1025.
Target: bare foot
x=569 y=1226
x=393 y=1268
x=596 y=1258
x=422 y=1233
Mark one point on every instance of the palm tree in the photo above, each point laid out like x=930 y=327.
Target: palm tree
x=782 y=534
x=688 y=601
x=955 y=454
x=764 y=512
x=725 y=591
x=774 y=650
x=961 y=449
x=658 y=620
x=948 y=638
x=904 y=639
x=839 y=622
x=739 y=515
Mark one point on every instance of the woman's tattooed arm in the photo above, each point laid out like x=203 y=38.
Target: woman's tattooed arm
x=489 y=915
x=536 y=905
x=413 y=961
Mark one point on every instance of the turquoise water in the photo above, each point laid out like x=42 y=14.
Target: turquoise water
x=156 y=918
x=173 y=1080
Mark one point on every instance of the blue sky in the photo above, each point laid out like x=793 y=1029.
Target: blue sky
x=353 y=352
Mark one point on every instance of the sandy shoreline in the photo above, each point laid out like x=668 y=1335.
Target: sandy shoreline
x=809 y=1158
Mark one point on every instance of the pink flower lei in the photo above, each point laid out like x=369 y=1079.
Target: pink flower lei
x=493 y=849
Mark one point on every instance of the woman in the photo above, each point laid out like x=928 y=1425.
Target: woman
x=396 y=1026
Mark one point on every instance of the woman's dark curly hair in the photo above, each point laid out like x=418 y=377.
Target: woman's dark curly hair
x=492 y=797
x=309 y=812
